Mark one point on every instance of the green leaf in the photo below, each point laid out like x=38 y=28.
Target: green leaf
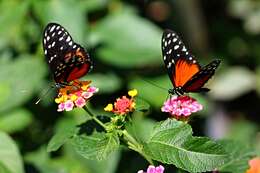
x=141 y=105
x=172 y=142
x=15 y=120
x=18 y=81
x=13 y=16
x=61 y=137
x=10 y=158
x=140 y=127
x=132 y=41
x=240 y=154
x=64 y=13
x=97 y=146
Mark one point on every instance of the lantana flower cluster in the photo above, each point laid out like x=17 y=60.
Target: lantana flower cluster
x=181 y=106
x=153 y=169
x=75 y=95
x=123 y=105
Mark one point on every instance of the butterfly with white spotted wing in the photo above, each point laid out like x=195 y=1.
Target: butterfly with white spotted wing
x=183 y=69
x=67 y=60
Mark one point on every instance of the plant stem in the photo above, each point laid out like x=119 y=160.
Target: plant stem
x=134 y=145
x=94 y=117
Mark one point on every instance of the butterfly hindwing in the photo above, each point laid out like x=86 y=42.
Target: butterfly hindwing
x=180 y=63
x=67 y=59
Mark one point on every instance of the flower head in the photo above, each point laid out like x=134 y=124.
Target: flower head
x=181 y=106
x=123 y=105
x=153 y=169
x=75 y=95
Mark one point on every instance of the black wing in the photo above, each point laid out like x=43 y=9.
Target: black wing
x=60 y=51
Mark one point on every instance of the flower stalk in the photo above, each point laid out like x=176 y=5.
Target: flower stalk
x=95 y=118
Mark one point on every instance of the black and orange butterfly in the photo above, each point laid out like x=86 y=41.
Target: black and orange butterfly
x=67 y=60
x=184 y=70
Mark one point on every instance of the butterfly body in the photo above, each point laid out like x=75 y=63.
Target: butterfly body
x=67 y=60
x=184 y=71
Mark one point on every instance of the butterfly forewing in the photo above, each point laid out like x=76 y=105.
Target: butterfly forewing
x=67 y=60
x=180 y=63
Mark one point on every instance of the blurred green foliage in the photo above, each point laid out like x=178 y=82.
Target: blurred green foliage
x=123 y=38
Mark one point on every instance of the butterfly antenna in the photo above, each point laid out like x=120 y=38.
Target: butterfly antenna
x=155 y=84
x=44 y=94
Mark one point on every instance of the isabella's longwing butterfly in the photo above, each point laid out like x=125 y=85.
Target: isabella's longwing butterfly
x=67 y=60
x=184 y=70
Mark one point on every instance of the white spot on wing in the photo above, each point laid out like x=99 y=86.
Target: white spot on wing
x=45 y=52
x=70 y=43
x=52 y=45
x=68 y=39
x=53 y=34
x=168 y=35
x=61 y=48
x=174 y=40
x=74 y=46
x=48 y=38
x=59 y=32
x=61 y=38
x=52 y=28
x=176 y=47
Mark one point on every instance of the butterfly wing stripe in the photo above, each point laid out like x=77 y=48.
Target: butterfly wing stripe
x=201 y=77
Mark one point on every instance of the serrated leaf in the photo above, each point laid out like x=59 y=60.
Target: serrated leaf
x=10 y=158
x=97 y=146
x=172 y=142
x=240 y=154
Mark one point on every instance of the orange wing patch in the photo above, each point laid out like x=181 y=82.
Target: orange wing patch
x=184 y=71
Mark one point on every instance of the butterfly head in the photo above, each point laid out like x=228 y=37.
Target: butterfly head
x=178 y=91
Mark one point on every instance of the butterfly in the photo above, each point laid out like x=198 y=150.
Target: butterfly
x=67 y=60
x=184 y=71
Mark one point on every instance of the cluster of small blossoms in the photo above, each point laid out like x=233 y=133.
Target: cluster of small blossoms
x=181 y=106
x=75 y=95
x=123 y=105
x=153 y=169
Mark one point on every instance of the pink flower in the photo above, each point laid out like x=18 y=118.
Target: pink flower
x=153 y=169
x=69 y=105
x=181 y=106
x=80 y=102
x=61 y=107
x=86 y=95
x=92 y=89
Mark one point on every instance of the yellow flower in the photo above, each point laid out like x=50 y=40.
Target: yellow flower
x=58 y=100
x=109 y=107
x=73 y=97
x=132 y=92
